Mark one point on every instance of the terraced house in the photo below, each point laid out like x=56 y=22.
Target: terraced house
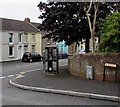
x=17 y=37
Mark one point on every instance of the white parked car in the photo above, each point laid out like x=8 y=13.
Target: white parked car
x=83 y=51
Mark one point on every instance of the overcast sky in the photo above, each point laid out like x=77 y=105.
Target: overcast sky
x=20 y=9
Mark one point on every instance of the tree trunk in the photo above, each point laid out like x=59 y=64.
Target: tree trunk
x=87 y=45
x=92 y=25
x=93 y=41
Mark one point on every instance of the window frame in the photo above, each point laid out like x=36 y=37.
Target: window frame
x=20 y=37
x=33 y=48
x=25 y=38
x=25 y=48
x=10 y=39
x=33 y=38
x=12 y=51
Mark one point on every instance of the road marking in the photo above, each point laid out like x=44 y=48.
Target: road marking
x=20 y=76
x=36 y=69
x=10 y=75
x=30 y=71
x=2 y=77
x=22 y=72
x=17 y=74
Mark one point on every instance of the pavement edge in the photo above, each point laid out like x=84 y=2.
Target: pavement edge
x=65 y=92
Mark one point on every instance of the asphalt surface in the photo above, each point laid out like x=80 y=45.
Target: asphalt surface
x=64 y=83
x=11 y=95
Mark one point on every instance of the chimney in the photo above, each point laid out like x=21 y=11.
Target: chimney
x=26 y=20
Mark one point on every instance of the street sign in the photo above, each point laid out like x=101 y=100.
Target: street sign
x=110 y=65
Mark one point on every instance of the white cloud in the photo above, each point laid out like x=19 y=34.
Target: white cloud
x=20 y=9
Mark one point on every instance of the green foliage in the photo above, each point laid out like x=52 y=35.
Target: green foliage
x=64 y=21
x=110 y=34
x=67 y=20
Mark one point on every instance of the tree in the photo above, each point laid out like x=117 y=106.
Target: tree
x=68 y=21
x=94 y=12
x=110 y=34
x=64 y=21
x=92 y=25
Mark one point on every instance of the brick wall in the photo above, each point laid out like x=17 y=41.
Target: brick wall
x=77 y=65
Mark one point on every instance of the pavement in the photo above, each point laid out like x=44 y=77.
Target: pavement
x=66 y=84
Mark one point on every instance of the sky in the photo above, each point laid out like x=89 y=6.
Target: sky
x=20 y=9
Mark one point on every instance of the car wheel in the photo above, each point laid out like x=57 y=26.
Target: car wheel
x=22 y=60
x=30 y=60
x=39 y=59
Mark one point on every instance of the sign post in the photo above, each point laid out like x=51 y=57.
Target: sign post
x=110 y=65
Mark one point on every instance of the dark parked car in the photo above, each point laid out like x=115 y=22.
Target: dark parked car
x=31 y=57
x=62 y=55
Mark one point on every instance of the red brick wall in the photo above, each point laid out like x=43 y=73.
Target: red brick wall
x=77 y=65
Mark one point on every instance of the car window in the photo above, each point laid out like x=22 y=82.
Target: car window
x=90 y=50
x=36 y=54
x=26 y=53
x=33 y=54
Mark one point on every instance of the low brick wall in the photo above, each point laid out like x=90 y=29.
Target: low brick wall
x=77 y=65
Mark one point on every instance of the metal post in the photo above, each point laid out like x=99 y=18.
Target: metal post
x=104 y=73
x=44 y=62
x=116 y=74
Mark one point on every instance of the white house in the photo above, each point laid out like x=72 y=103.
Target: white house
x=14 y=38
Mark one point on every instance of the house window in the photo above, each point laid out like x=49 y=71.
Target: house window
x=33 y=37
x=19 y=37
x=25 y=48
x=33 y=48
x=10 y=37
x=25 y=38
x=11 y=53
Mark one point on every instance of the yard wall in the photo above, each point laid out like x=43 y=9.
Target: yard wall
x=77 y=65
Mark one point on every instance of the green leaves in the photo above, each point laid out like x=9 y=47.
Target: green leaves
x=68 y=21
x=110 y=34
x=64 y=21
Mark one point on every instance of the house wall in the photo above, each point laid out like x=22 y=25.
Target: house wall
x=6 y=44
x=0 y=46
x=18 y=46
x=62 y=48
x=37 y=43
x=45 y=42
x=73 y=48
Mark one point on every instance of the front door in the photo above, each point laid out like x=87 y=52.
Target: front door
x=19 y=53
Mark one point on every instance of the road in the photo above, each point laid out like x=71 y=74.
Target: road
x=15 y=96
